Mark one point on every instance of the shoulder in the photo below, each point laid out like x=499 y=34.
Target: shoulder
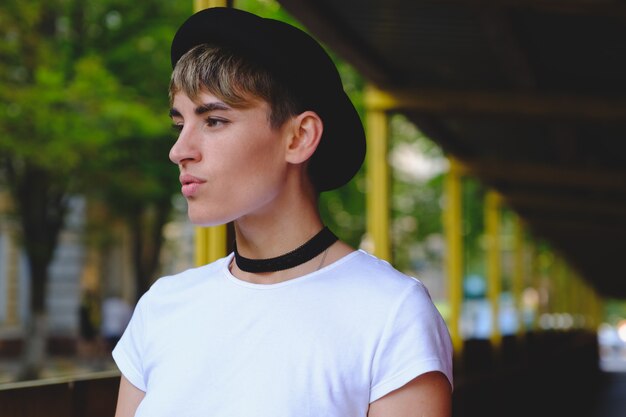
x=413 y=335
x=370 y=284
x=379 y=276
x=186 y=282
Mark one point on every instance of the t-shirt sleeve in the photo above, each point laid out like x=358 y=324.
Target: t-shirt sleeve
x=415 y=341
x=129 y=351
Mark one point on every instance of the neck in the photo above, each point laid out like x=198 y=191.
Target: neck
x=304 y=253
x=287 y=222
x=291 y=221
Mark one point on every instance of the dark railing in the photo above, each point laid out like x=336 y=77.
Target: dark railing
x=542 y=374
x=90 y=395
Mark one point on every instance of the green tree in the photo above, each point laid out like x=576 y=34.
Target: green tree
x=83 y=88
x=133 y=40
x=418 y=170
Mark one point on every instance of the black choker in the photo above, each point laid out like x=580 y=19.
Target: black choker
x=309 y=250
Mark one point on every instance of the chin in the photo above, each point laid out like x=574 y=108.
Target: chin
x=206 y=220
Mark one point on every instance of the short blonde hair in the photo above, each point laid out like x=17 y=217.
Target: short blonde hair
x=232 y=78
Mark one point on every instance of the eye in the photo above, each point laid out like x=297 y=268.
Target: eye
x=215 y=121
x=177 y=127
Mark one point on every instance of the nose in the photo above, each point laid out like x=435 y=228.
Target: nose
x=184 y=149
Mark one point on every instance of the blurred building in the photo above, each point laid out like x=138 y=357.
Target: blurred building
x=64 y=278
x=75 y=268
x=79 y=266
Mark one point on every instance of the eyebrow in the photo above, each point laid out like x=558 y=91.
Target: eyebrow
x=205 y=108
x=201 y=109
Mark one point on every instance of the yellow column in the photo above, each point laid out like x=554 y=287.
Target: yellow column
x=584 y=302
x=572 y=279
x=454 y=238
x=205 y=4
x=576 y=299
x=590 y=311
x=598 y=310
x=518 y=273
x=11 y=265
x=13 y=289
x=210 y=242
x=494 y=272
x=565 y=275
x=377 y=197
x=535 y=284
x=560 y=286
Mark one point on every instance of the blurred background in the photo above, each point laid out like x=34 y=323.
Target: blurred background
x=91 y=213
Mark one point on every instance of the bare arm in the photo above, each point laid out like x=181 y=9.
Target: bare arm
x=128 y=399
x=428 y=395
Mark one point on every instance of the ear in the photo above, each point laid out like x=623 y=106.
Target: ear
x=305 y=135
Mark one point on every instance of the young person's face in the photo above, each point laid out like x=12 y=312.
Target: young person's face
x=231 y=160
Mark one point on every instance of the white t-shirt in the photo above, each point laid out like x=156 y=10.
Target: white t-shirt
x=204 y=343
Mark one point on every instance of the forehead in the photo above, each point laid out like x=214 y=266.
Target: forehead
x=206 y=101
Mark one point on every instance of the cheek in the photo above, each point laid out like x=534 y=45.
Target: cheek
x=260 y=171
x=260 y=156
x=252 y=170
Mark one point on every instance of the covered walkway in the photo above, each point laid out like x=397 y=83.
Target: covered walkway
x=610 y=400
x=528 y=96
x=546 y=377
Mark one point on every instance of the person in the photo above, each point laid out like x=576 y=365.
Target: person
x=116 y=313
x=293 y=322
x=89 y=322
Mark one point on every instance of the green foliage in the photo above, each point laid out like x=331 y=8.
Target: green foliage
x=473 y=224
x=70 y=128
x=417 y=189
x=614 y=311
x=83 y=110
x=84 y=85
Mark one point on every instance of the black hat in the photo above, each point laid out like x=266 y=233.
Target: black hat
x=303 y=67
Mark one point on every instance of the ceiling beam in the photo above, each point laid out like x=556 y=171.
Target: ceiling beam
x=608 y=8
x=501 y=36
x=321 y=21
x=560 y=230
x=532 y=173
x=566 y=204
x=521 y=104
x=433 y=128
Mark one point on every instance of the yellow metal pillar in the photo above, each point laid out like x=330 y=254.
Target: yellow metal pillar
x=572 y=301
x=13 y=288
x=11 y=267
x=518 y=273
x=598 y=310
x=210 y=242
x=454 y=238
x=377 y=197
x=565 y=277
x=585 y=290
x=577 y=300
x=205 y=4
x=559 y=272
x=583 y=295
x=494 y=269
x=536 y=285
x=591 y=313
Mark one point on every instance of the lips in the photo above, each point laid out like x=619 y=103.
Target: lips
x=190 y=185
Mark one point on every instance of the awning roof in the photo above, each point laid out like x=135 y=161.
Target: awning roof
x=530 y=95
